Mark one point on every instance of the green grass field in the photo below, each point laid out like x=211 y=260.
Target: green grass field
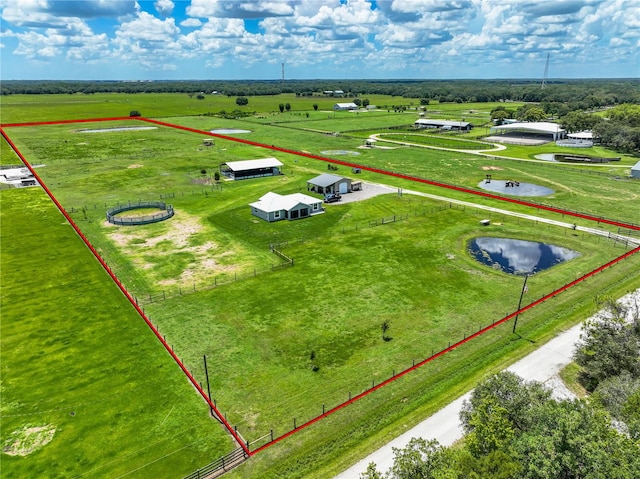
x=264 y=331
x=76 y=357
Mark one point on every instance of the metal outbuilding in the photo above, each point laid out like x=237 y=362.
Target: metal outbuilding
x=328 y=183
x=242 y=170
x=635 y=170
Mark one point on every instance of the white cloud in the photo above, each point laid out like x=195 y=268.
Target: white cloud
x=240 y=8
x=191 y=23
x=164 y=7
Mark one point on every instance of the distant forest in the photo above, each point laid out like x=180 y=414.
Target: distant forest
x=586 y=93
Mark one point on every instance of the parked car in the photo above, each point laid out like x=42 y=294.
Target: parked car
x=332 y=197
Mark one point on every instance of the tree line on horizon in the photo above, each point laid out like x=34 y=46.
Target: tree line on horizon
x=591 y=93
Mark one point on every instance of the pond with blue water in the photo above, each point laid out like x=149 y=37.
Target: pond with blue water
x=516 y=256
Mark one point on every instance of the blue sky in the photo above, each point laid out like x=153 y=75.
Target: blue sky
x=315 y=39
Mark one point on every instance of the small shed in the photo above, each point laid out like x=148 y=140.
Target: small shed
x=242 y=170
x=635 y=170
x=328 y=183
x=274 y=207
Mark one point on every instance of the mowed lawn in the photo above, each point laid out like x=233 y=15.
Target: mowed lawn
x=265 y=335
x=77 y=359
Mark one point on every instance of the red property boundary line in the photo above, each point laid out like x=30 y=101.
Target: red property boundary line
x=115 y=279
x=330 y=160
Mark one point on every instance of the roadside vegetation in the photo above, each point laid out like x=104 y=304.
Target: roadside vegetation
x=513 y=427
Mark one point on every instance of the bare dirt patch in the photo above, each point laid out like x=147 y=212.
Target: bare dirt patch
x=28 y=439
x=150 y=248
x=492 y=168
x=135 y=165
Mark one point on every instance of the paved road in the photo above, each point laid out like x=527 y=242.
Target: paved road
x=542 y=365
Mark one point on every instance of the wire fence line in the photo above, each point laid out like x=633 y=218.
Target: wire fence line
x=220 y=466
x=166 y=213
x=270 y=439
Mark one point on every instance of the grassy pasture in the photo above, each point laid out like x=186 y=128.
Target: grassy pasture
x=574 y=186
x=120 y=410
x=349 y=276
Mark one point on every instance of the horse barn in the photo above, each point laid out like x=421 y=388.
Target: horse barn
x=243 y=170
x=443 y=124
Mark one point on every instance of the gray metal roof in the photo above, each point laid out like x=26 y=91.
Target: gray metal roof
x=326 y=179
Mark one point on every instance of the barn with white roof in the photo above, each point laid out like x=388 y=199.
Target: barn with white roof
x=539 y=128
x=242 y=170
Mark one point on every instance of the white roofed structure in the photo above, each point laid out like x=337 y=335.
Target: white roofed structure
x=345 y=106
x=535 y=127
x=274 y=207
x=239 y=170
x=445 y=124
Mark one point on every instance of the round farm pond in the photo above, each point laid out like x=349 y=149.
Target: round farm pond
x=229 y=131
x=515 y=188
x=340 y=152
x=518 y=256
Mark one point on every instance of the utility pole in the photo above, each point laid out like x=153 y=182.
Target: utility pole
x=206 y=372
x=524 y=290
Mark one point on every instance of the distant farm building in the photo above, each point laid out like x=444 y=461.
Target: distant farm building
x=274 y=207
x=242 y=170
x=635 y=170
x=345 y=106
x=443 y=124
x=541 y=129
x=328 y=183
x=17 y=176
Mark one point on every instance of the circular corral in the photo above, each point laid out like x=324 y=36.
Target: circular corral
x=166 y=212
x=515 y=188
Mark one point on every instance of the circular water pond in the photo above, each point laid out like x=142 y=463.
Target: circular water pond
x=519 y=257
x=515 y=188
x=340 y=152
x=229 y=131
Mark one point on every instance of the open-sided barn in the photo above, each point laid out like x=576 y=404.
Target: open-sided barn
x=242 y=170
x=443 y=124
x=542 y=128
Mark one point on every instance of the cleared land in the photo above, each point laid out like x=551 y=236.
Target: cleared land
x=351 y=274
